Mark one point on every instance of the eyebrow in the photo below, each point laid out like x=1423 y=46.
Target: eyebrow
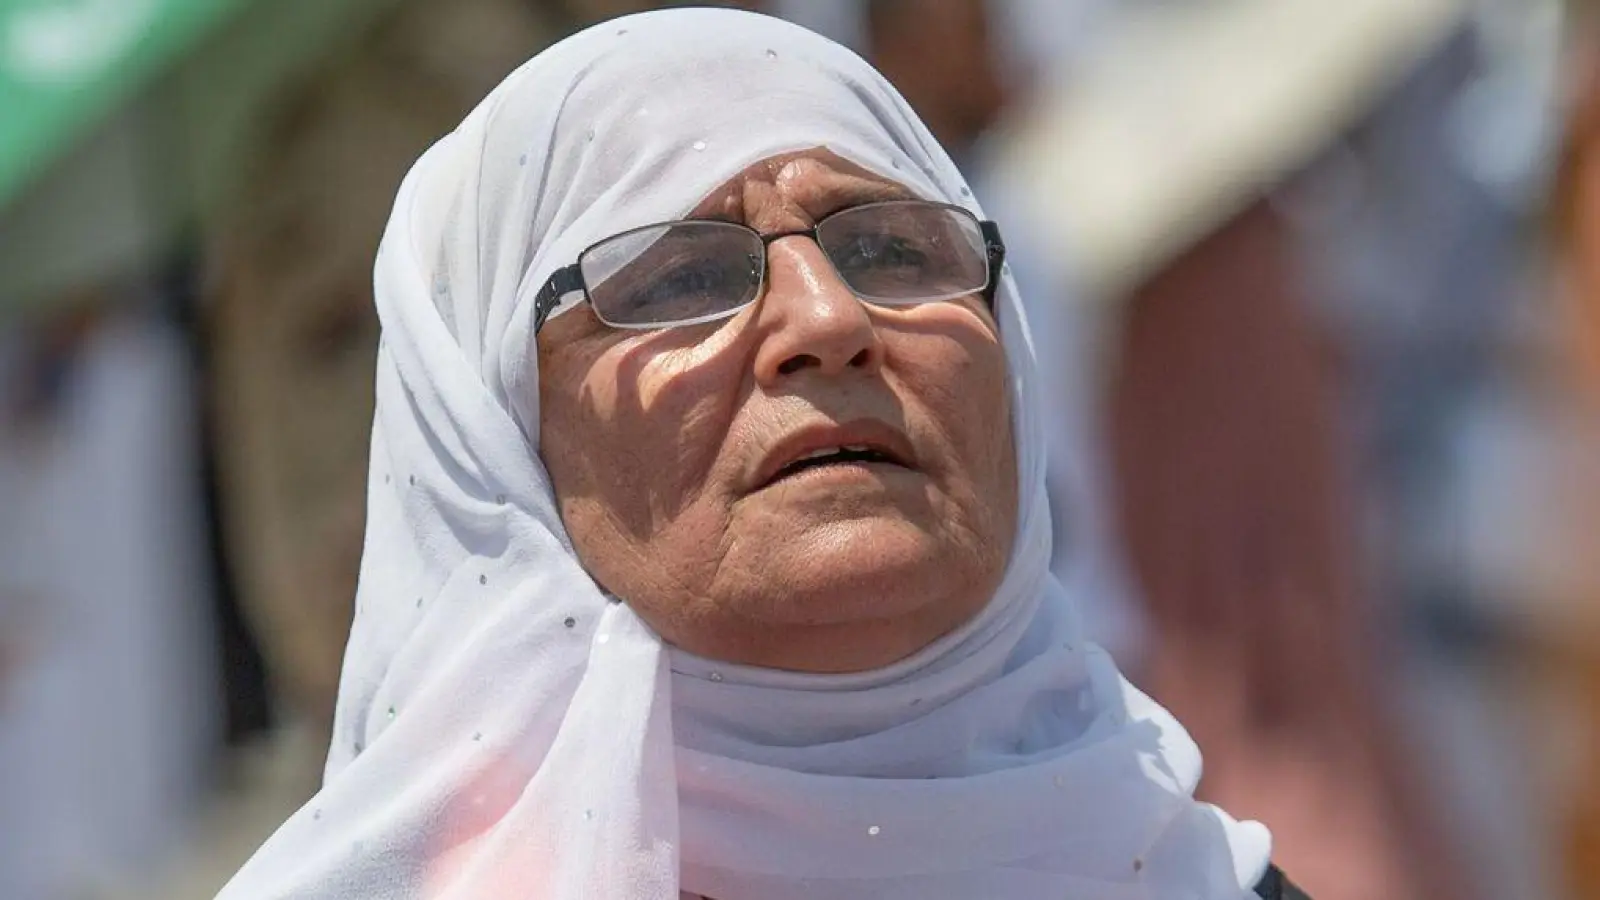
x=858 y=190
x=849 y=190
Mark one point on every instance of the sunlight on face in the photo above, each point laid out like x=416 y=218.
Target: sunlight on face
x=678 y=455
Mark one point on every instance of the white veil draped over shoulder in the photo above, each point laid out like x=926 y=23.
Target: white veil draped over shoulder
x=505 y=729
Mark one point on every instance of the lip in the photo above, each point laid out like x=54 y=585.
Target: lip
x=872 y=433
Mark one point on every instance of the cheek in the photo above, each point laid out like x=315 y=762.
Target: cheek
x=632 y=441
x=982 y=431
x=994 y=401
x=960 y=377
x=959 y=381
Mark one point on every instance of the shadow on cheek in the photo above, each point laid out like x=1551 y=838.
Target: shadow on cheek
x=642 y=461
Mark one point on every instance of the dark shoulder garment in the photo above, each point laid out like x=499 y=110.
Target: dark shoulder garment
x=1276 y=887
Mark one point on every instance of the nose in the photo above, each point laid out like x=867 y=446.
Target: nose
x=809 y=319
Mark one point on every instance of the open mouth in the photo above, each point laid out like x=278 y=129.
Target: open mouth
x=849 y=454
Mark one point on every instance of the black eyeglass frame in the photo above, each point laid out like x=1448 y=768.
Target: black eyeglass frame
x=569 y=278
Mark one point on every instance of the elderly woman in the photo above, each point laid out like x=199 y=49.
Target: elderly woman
x=707 y=541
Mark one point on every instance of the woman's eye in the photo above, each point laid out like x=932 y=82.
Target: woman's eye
x=682 y=289
x=880 y=252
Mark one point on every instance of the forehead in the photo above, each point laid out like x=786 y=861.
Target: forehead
x=807 y=184
x=651 y=129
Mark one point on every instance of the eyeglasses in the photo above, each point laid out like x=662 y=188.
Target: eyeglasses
x=891 y=253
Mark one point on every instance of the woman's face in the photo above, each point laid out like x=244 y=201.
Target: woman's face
x=663 y=445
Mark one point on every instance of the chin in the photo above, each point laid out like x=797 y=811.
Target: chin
x=857 y=570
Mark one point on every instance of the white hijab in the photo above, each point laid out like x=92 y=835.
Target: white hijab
x=506 y=730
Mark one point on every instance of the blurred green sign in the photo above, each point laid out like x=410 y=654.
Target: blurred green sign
x=64 y=63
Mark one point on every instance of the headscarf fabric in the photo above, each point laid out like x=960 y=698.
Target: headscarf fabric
x=506 y=729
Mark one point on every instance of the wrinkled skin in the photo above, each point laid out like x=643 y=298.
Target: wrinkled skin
x=652 y=440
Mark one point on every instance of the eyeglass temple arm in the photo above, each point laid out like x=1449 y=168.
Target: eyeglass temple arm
x=563 y=282
x=995 y=248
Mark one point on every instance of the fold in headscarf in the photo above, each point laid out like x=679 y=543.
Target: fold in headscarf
x=507 y=730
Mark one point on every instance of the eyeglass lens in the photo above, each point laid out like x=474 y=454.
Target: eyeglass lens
x=690 y=271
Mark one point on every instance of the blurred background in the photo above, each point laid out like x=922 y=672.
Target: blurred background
x=1315 y=286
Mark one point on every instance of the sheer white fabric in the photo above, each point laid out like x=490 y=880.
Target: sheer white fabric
x=506 y=730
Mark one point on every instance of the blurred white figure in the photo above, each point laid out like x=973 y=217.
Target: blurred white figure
x=107 y=699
